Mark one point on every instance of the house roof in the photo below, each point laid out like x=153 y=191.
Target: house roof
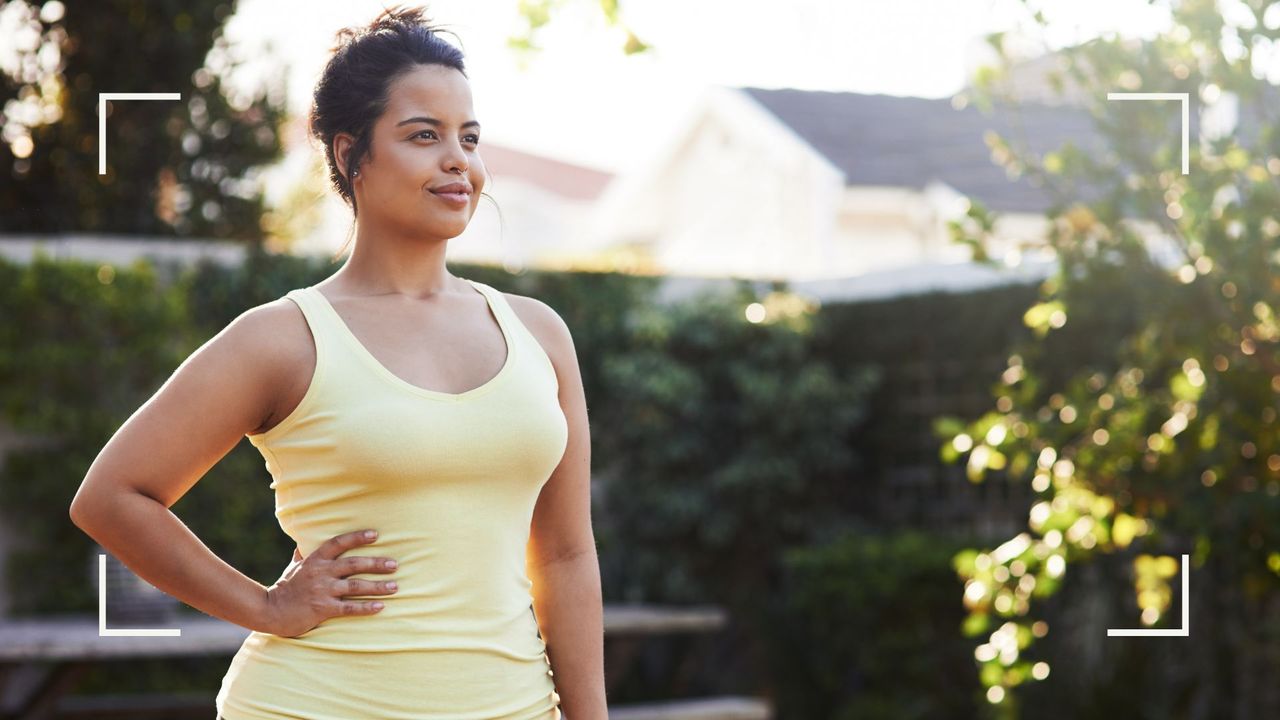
x=911 y=141
x=566 y=179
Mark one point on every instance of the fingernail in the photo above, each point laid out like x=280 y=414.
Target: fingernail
x=369 y=534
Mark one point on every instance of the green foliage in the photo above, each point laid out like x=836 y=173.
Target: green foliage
x=1159 y=440
x=77 y=330
x=728 y=443
x=79 y=345
x=180 y=167
x=865 y=629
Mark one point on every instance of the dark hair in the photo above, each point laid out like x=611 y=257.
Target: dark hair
x=352 y=91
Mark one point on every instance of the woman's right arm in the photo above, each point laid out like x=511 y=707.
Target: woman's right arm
x=226 y=389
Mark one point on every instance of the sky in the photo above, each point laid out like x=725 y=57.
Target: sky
x=582 y=100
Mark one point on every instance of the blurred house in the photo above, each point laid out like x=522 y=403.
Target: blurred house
x=811 y=185
x=849 y=195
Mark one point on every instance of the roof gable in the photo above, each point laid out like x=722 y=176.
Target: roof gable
x=910 y=142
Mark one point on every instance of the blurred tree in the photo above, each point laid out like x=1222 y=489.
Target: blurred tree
x=186 y=167
x=537 y=13
x=1159 y=440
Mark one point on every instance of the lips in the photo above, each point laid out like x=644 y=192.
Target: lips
x=453 y=188
x=456 y=199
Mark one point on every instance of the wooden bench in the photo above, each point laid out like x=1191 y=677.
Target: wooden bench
x=718 y=708
x=42 y=658
x=627 y=626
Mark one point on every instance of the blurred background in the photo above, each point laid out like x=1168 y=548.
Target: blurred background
x=915 y=361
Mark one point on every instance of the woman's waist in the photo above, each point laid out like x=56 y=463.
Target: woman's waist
x=365 y=672
x=425 y=624
x=436 y=588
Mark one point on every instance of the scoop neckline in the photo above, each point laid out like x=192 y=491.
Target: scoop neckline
x=400 y=382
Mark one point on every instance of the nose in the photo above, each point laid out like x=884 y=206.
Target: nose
x=455 y=161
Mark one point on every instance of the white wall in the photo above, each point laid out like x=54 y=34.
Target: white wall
x=737 y=194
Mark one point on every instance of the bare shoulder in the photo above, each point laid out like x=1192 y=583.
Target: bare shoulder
x=546 y=325
x=279 y=315
x=276 y=333
x=277 y=328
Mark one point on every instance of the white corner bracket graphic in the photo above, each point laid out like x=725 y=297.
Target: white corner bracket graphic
x=1186 y=101
x=103 y=631
x=102 y=118
x=1184 y=631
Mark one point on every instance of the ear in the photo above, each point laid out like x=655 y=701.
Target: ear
x=341 y=146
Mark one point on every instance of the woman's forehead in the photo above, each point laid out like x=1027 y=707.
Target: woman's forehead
x=438 y=91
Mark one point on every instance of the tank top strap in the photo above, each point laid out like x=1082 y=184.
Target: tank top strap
x=497 y=301
x=529 y=346
x=319 y=321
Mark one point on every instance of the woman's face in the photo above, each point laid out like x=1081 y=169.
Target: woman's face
x=426 y=139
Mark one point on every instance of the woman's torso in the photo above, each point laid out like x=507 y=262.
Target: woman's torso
x=450 y=480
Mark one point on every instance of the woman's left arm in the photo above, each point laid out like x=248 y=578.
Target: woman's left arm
x=562 y=561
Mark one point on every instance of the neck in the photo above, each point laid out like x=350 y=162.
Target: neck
x=388 y=264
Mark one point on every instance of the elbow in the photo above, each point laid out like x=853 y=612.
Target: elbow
x=83 y=507
x=102 y=507
x=77 y=514
x=91 y=498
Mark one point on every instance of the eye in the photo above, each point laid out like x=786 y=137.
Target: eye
x=475 y=139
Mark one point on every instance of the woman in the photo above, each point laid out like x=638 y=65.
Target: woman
x=392 y=396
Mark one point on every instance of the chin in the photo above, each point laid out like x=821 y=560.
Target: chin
x=452 y=230
x=451 y=222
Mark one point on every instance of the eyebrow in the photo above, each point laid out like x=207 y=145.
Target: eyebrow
x=433 y=121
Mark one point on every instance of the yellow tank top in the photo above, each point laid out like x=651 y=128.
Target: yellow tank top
x=449 y=481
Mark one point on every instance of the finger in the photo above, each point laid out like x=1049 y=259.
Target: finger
x=335 y=546
x=359 y=608
x=355 y=564
x=359 y=586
